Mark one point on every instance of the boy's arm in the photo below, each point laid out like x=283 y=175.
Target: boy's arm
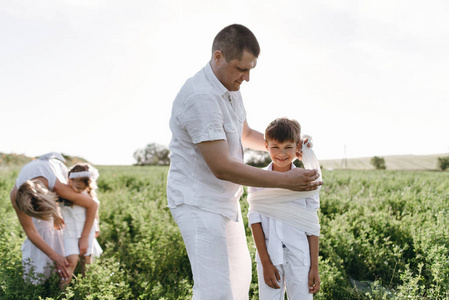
x=314 y=276
x=270 y=273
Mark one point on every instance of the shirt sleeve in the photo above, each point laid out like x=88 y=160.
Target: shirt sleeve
x=203 y=118
x=313 y=202
x=254 y=217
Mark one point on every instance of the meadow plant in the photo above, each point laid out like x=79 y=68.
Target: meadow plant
x=385 y=228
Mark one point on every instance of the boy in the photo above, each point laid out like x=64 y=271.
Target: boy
x=287 y=253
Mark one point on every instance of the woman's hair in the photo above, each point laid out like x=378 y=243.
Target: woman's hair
x=36 y=200
x=88 y=176
x=233 y=40
x=283 y=129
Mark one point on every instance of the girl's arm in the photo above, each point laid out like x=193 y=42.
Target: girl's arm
x=33 y=235
x=84 y=200
x=314 y=276
x=270 y=273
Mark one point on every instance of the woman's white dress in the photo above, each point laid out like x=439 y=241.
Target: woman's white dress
x=34 y=261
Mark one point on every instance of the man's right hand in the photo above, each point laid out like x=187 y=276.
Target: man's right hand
x=302 y=180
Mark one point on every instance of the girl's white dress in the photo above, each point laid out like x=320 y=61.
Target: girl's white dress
x=74 y=217
x=37 y=265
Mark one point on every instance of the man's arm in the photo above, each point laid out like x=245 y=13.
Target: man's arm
x=225 y=167
x=252 y=139
x=314 y=276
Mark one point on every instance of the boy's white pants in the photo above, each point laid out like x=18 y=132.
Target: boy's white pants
x=218 y=253
x=294 y=276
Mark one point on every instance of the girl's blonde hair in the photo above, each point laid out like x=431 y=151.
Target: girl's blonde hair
x=36 y=200
x=88 y=181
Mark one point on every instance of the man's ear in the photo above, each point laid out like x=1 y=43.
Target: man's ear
x=217 y=56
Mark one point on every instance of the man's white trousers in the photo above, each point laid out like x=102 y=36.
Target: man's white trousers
x=218 y=253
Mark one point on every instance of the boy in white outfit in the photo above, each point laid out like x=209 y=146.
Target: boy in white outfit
x=287 y=257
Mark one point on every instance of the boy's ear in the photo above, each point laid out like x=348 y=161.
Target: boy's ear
x=266 y=144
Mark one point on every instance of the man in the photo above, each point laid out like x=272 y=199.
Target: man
x=206 y=175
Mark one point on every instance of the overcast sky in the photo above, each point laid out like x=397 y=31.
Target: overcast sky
x=96 y=79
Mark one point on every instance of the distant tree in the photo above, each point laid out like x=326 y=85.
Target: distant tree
x=153 y=154
x=378 y=163
x=443 y=163
x=257 y=158
x=262 y=159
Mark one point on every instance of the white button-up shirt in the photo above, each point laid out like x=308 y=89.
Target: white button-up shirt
x=278 y=233
x=204 y=110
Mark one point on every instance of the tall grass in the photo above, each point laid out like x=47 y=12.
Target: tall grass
x=386 y=228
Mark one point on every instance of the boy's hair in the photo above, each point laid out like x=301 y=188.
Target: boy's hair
x=88 y=181
x=36 y=200
x=233 y=40
x=283 y=129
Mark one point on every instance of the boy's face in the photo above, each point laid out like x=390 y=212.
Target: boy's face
x=282 y=154
x=77 y=185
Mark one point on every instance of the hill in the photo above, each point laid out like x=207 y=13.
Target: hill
x=20 y=159
x=393 y=162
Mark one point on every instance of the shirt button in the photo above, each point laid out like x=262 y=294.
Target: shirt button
x=210 y=127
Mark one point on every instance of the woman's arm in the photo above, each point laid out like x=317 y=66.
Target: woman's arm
x=84 y=200
x=270 y=272
x=33 y=235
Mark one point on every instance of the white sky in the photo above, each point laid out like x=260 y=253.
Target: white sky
x=96 y=79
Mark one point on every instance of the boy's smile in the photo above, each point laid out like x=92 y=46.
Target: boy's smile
x=282 y=154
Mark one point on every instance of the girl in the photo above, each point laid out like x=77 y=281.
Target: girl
x=82 y=179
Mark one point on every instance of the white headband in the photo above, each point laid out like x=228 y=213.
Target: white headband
x=92 y=174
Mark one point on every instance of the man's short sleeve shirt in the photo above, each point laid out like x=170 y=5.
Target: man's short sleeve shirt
x=204 y=110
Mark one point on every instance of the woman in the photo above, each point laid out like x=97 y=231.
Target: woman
x=33 y=197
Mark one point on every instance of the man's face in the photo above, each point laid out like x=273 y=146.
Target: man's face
x=232 y=74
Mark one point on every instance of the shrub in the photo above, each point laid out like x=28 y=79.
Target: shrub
x=378 y=163
x=443 y=163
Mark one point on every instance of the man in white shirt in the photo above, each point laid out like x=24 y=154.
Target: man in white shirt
x=207 y=171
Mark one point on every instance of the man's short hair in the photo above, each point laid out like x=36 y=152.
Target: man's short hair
x=283 y=130
x=233 y=40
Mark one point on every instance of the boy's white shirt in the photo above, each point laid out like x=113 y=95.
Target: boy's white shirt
x=277 y=232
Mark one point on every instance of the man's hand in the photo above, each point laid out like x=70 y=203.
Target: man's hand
x=271 y=276
x=303 y=180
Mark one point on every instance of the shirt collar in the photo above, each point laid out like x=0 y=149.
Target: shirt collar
x=270 y=166
x=221 y=89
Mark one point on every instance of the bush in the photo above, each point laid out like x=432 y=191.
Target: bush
x=378 y=163
x=152 y=155
x=443 y=163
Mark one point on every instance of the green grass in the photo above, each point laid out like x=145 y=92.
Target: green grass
x=386 y=228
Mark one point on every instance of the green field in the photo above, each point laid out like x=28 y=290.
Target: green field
x=386 y=231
